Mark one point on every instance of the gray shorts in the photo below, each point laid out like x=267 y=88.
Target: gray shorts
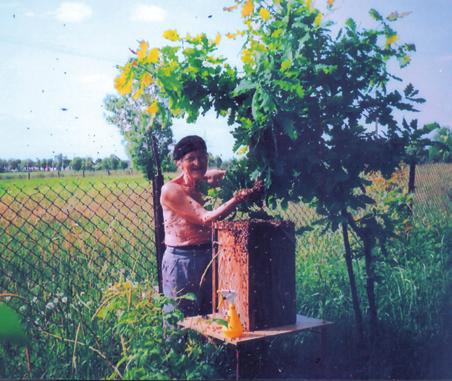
x=181 y=273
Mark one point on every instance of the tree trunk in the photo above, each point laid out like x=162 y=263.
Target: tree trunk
x=370 y=288
x=368 y=243
x=157 y=183
x=412 y=177
x=352 y=280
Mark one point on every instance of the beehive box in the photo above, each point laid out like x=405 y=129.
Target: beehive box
x=256 y=259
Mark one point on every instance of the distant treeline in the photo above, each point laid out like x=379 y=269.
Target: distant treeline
x=62 y=163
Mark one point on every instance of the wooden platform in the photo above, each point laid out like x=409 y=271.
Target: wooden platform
x=207 y=327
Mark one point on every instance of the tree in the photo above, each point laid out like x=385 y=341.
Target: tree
x=60 y=162
x=3 y=165
x=441 y=149
x=38 y=163
x=49 y=164
x=98 y=164
x=304 y=106
x=107 y=165
x=124 y=164
x=14 y=165
x=115 y=161
x=76 y=163
x=133 y=122
x=88 y=164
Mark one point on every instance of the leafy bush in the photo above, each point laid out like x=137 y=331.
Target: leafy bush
x=152 y=347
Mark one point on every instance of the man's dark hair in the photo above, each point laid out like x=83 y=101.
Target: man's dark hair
x=188 y=144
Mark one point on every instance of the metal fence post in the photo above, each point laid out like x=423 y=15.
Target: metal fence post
x=157 y=183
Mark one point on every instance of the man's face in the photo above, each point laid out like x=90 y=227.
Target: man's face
x=194 y=164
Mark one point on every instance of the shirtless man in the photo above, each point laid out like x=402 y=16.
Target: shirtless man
x=188 y=226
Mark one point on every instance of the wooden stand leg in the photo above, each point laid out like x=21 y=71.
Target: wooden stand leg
x=323 y=361
x=237 y=363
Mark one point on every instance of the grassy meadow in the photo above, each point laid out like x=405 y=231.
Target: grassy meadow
x=78 y=264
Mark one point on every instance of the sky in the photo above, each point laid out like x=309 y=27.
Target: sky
x=59 y=58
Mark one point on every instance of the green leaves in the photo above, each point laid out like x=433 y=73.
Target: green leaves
x=145 y=326
x=10 y=326
x=262 y=104
x=351 y=24
x=375 y=15
x=243 y=87
x=286 y=64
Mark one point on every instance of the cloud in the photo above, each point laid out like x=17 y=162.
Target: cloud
x=148 y=13
x=73 y=12
x=29 y=14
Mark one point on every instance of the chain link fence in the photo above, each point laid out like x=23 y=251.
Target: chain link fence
x=61 y=245
x=433 y=189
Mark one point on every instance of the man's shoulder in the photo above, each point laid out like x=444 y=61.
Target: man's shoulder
x=171 y=186
x=171 y=189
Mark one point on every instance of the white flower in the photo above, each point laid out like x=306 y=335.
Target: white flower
x=22 y=308
x=64 y=299
x=50 y=306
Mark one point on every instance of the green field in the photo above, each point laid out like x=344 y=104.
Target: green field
x=64 y=242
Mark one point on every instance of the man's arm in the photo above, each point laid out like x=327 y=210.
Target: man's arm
x=213 y=176
x=174 y=198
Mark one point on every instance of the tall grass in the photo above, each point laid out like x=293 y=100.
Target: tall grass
x=59 y=267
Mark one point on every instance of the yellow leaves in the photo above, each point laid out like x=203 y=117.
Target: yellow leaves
x=243 y=150
x=144 y=56
x=264 y=14
x=153 y=56
x=276 y=33
x=309 y=5
x=391 y=39
x=217 y=39
x=171 y=34
x=257 y=46
x=286 y=64
x=168 y=69
x=248 y=8
x=247 y=56
x=146 y=80
x=196 y=39
x=318 y=19
x=123 y=82
x=153 y=108
x=233 y=36
x=142 y=50
x=406 y=59
x=192 y=69
x=138 y=93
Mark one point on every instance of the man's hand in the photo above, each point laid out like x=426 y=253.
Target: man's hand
x=214 y=176
x=250 y=194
